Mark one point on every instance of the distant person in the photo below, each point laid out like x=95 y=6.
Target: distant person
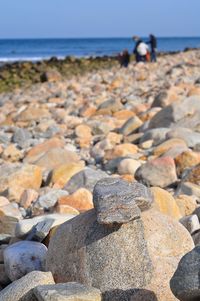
x=124 y=58
x=153 y=44
x=140 y=50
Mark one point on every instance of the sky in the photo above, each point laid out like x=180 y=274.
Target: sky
x=98 y=18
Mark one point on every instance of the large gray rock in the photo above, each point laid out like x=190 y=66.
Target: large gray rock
x=157 y=135
x=184 y=113
x=190 y=137
x=185 y=283
x=111 y=259
x=24 y=257
x=117 y=201
x=50 y=199
x=86 y=178
x=158 y=172
x=71 y=291
x=21 y=290
x=22 y=138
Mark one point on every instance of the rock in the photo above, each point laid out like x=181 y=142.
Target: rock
x=184 y=113
x=4 y=201
x=117 y=202
x=190 y=137
x=80 y=200
x=167 y=242
x=38 y=151
x=8 y=224
x=157 y=135
x=49 y=200
x=4 y=280
x=130 y=126
x=185 y=281
x=24 y=257
x=164 y=99
x=167 y=145
x=109 y=107
x=22 y=138
x=21 y=290
x=188 y=189
x=10 y=210
x=121 y=150
x=67 y=291
x=187 y=204
x=12 y=154
x=165 y=203
x=61 y=175
x=28 y=197
x=16 y=178
x=23 y=227
x=33 y=114
x=55 y=157
x=128 y=166
x=40 y=231
x=86 y=178
x=66 y=209
x=89 y=246
x=158 y=172
x=185 y=160
x=191 y=223
x=50 y=76
x=193 y=175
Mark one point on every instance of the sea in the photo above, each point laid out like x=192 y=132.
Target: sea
x=12 y=50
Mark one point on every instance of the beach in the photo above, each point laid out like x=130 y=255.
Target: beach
x=99 y=177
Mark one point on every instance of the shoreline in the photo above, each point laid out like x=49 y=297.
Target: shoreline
x=26 y=73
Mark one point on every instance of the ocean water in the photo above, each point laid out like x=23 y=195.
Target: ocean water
x=39 y=49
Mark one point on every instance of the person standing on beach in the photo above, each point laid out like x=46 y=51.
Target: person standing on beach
x=140 y=50
x=153 y=44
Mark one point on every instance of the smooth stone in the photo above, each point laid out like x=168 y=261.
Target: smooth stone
x=86 y=178
x=189 y=189
x=185 y=282
x=21 y=290
x=128 y=166
x=117 y=201
x=24 y=257
x=23 y=227
x=70 y=291
x=158 y=172
x=187 y=204
x=187 y=159
x=190 y=137
x=157 y=135
x=130 y=126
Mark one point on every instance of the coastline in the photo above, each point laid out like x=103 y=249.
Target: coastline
x=21 y=74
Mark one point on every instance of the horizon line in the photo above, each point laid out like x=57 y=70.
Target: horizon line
x=75 y=38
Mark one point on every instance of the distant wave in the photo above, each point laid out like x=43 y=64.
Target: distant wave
x=27 y=59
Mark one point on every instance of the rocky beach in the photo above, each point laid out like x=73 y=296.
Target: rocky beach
x=100 y=180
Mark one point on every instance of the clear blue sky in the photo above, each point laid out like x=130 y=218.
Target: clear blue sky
x=98 y=18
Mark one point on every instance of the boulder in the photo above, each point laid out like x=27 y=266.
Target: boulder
x=117 y=201
x=185 y=160
x=128 y=166
x=167 y=145
x=185 y=282
x=50 y=76
x=157 y=135
x=157 y=172
x=84 y=251
x=131 y=125
x=189 y=136
x=71 y=291
x=21 y=290
x=24 y=257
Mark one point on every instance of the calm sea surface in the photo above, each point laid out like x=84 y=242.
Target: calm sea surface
x=38 y=49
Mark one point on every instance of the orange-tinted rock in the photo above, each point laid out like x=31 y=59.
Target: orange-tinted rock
x=12 y=154
x=165 y=203
x=114 y=138
x=3 y=201
x=80 y=200
x=124 y=114
x=28 y=197
x=37 y=151
x=186 y=204
x=194 y=175
x=33 y=113
x=186 y=160
x=61 y=175
x=194 y=91
x=83 y=131
x=167 y=145
x=121 y=151
x=66 y=209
